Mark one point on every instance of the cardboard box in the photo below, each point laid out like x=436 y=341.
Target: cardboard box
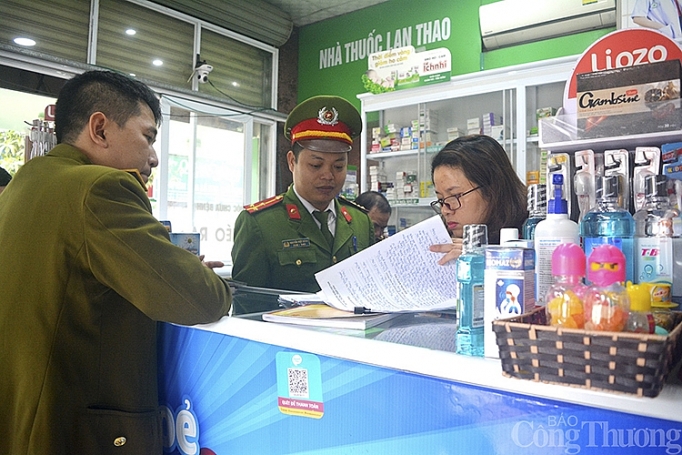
x=631 y=100
x=509 y=287
x=187 y=241
x=545 y=112
x=497 y=132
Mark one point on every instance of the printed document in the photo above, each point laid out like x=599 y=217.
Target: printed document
x=395 y=274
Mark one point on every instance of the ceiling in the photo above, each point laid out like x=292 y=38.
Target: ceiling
x=304 y=12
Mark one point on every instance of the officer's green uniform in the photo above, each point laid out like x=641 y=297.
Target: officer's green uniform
x=279 y=245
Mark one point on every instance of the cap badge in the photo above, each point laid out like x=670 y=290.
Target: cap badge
x=328 y=116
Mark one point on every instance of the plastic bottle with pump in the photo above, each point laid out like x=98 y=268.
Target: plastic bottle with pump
x=608 y=223
x=640 y=318
x=565 y=296
x=470 y=269
x=537 y=209
x=554 y=230
x=654 y=233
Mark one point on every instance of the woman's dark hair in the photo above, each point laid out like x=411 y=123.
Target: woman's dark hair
x=485 y=163
x=116 y=95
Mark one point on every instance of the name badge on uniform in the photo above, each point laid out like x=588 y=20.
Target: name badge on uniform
x=296 y=243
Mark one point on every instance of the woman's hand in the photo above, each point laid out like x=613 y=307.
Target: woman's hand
x=451 y=250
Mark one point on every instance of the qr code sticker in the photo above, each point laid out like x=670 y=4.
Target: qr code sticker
x=298 y=382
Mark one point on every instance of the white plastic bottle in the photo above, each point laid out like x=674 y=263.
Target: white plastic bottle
x=551 y=232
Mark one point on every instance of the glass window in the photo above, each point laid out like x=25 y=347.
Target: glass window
x=205 y=175
x=144 y=42
x=59 y=28
x=241 y=72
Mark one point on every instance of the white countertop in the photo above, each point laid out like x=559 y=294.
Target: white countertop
x=480 y=372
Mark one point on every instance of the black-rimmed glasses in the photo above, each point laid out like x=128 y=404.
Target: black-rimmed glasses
x=454 y=201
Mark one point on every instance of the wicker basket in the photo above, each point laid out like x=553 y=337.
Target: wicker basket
x=630 y=363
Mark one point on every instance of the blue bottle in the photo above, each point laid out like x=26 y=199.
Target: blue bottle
x=608 y=223
x=537 y=210
x=470 y=268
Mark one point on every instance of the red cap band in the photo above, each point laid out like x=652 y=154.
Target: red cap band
x=313 y=129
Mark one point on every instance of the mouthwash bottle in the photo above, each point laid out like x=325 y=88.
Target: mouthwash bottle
x=537 y=209
x=554 y=230
x=608 y=223
x=565 y=296
x=470 y=269
x=654 y=233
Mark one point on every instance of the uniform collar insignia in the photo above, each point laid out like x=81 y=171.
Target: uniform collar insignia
x=292 y=211
x=346 y=215
x=328 y=116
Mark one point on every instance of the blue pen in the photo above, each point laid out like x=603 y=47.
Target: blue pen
x=355 y=243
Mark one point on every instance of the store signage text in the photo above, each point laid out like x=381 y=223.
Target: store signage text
x=425 y=33
x=620 y=49
x=180 y=429
x=626 y=58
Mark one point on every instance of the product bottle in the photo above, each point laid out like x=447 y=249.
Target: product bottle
x=470 y=268
x=510 y=237
x=565 y=296
x=653 y=234
x=537 y=209
x=554 y=230
x=608 y=223
x=606 y=302
x=640 y=318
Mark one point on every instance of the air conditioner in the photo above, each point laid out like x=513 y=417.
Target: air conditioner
x=510 y=22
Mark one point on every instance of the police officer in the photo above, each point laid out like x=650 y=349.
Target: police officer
x=281 y=242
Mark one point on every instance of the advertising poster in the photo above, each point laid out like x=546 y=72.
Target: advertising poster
x=402 y=68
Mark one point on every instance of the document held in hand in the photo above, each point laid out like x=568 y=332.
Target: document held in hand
x=394 y=275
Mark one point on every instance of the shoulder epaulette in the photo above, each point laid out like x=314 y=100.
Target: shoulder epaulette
x=264 y=204
x=353 y=204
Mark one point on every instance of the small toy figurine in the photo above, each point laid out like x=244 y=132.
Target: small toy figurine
x=607 y=303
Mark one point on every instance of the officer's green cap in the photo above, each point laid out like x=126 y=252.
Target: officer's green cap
x=324 y=123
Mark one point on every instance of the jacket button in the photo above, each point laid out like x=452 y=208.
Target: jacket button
x=298 y=262
x=334 y=260
x=120 y=441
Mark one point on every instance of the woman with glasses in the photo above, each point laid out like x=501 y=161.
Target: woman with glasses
x=476 y=184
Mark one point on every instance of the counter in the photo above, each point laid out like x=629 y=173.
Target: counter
x=250 y=387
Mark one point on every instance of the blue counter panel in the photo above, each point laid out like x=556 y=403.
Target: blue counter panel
x=225 y=395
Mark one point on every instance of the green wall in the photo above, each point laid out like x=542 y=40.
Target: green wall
x=327 y=65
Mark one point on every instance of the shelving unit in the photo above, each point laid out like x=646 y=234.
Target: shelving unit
x=513 y=93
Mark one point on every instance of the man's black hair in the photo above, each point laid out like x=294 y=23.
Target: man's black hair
x=115 y=95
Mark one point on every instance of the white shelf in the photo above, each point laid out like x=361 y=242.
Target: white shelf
x=411 y=202
x=609 y=143
x=384 y=155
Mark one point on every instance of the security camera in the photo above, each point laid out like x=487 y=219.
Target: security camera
x=202 y=72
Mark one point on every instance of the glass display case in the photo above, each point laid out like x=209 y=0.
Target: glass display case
x=404 y=129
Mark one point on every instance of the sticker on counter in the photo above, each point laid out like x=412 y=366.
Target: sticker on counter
x=299 y=384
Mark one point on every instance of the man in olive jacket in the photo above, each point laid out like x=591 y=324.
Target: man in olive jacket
x=279 y=242
x=86 y=272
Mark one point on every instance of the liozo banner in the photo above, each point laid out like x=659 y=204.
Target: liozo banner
x=402 y=67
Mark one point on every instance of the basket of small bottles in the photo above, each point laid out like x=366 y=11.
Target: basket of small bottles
x=603 y=336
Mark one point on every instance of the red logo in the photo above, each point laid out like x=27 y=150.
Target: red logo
x=623 y=48
x=650 y=252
